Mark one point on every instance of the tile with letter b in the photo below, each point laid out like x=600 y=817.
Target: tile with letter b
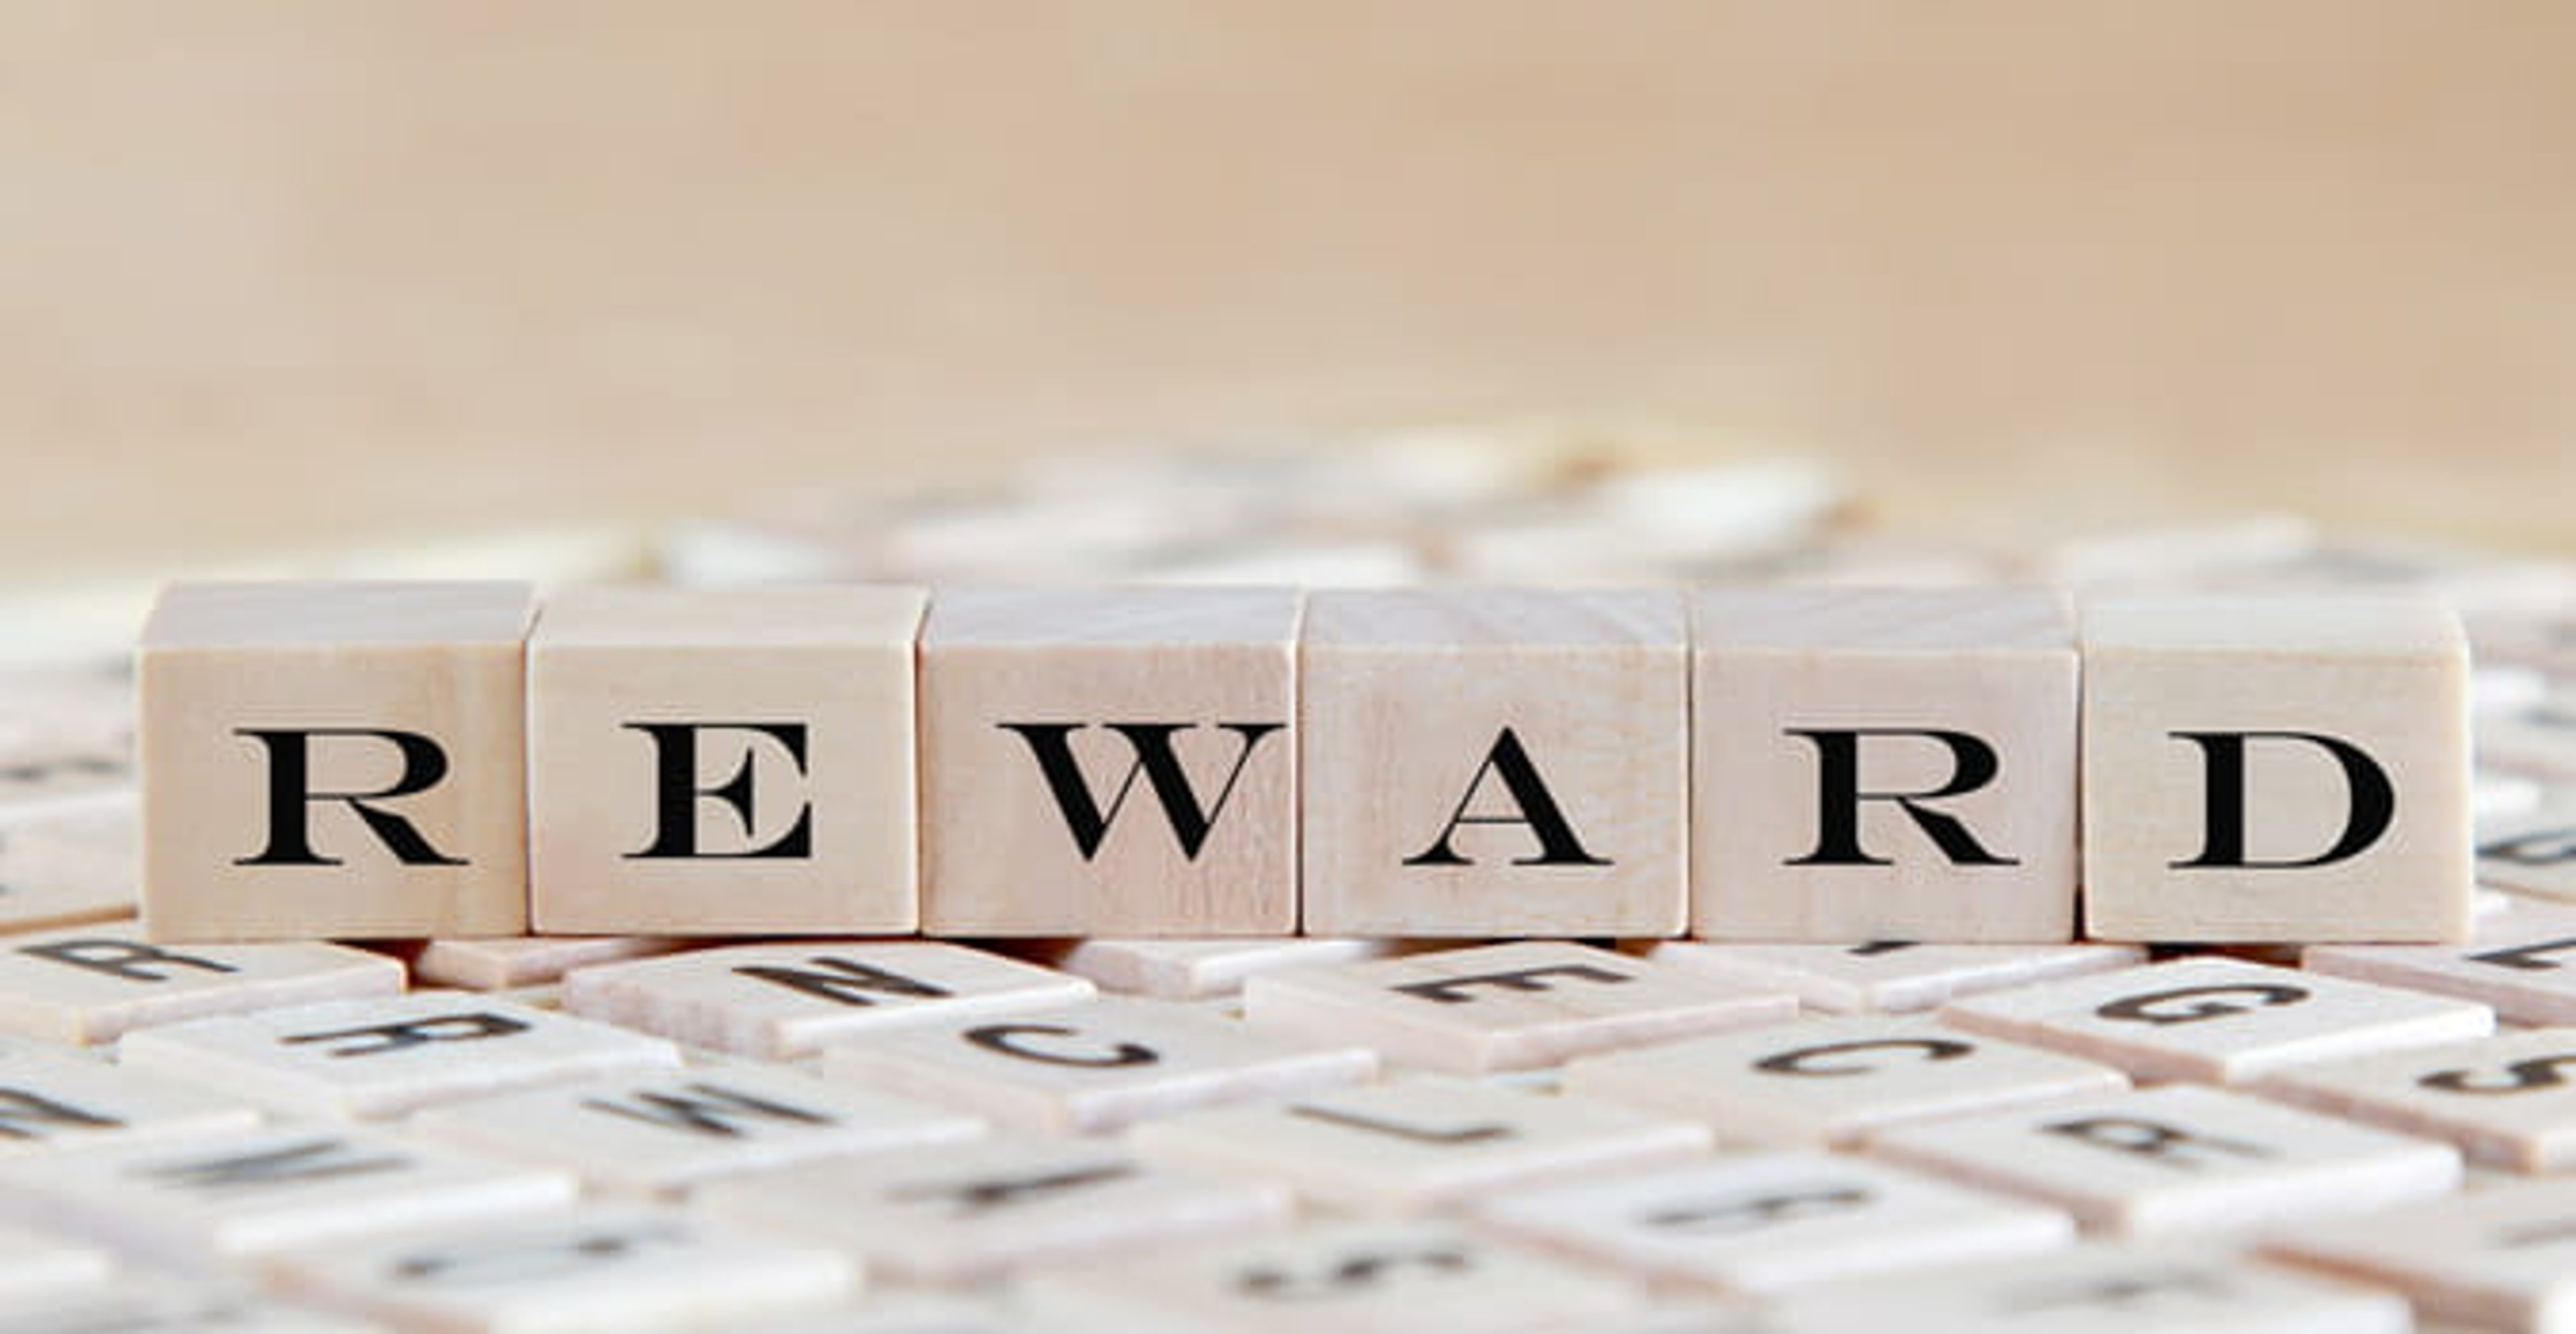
x=1494 y=762
x=1883 y=765
x=334 y=759
x=2521 y=962
x=2276 y=770
x=2507 y=1101
x=90 y=984
x=735 y=761
x=1106 y=761
x=1193 y=968
x=49 y=1102
x=2097 y=1288
x=2503 y=1258
x=1891 y=976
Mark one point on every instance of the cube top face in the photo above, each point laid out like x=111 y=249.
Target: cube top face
x=1160 y=619
x=1501 y=620
x=767 y=617
x=2343 y=628
x=337 y=616
x=1946 y=622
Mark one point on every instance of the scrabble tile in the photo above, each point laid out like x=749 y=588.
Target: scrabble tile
x=35 y=1264
x=622 y=1268
x=2215 y=1019
x=67 y=865
x=1834 y=1081
x=2503 y=1100
x=1417 y=1143
x=2494 y=1259
x=1516 y=1006
x=1099 y=761
x=91 y=984
x=665 y=1132
x=1098 y=1066
x=2494 y=795
x=1890 y=976
x=197 y=1202
x=169 y=1305
x=2539 y=740
x=971 y=1213
x=88 y=709
x=1883 y=765
x=2097 y=1288
x=731 y=762
x=2287 y=770
x=2521 y=962
x=2178 y=1161
x=1189 y=969
x=782 y=1000
x=37 y=779
x=497 y=963
x=371 y=1059
x=334 y=760
x=1768 y=1222
x=49 y=1102
x=1494 y=762
x=2533 y=853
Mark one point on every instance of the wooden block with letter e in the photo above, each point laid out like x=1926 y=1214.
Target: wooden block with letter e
x=1494 y=762
x=722 y=762
x=1883 y=765
x=334 y=760
x=1097 y=761
x=2276 y=770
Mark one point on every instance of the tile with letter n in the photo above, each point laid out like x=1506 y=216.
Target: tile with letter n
x=52 y=1102
x=1518 y=1006
x=2500 y=1258
x=1883 y=765
x=784 y=1000
x=334 y=759
x=2507 y=1101
x=2521 y=961
x=2276 y=770
x=1891 y=976
x=1494 y=762
x=735 y=761
x=2533 y=852
x=1107 y=761
x=90 y=984
x=372 y=1059
x=2097 y=1288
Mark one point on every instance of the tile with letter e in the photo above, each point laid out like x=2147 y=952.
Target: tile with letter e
x=2521 y=962
x=170 y=1305
x=52 y=1102
x=2533 y=852
x=735 y=761
x=2097 y=1288
x=2276 y=770
x=975 y=1212
x=1517 y=1006
x=1891 y=976
x=2507 y=1101
x=90 y=984
x=1834 y=1082
x=2216 y=1019
x=1105 y=761
x=334 y=759
x=1891 y=765
x=499 y=963
x=1417 y=1143
x=2503 y=1258
x=2179 y=1161
x=783 y=1000
x=1194 y=968
x=371 y=1059
x=1099 y=1066
x=1494 y=762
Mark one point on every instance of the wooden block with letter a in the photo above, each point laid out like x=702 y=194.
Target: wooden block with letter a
x=734 y=762
x=1097 y=761
x=1494 y=762
x=334 y=760
x=2276 y=770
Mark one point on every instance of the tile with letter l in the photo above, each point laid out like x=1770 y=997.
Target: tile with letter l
x=2531 y=853
x=2179 y=1161
x=498 y=963
x=1200 y=967
x=49 y=1102
x=2507 y=1101
x=1891 y=976
x=372 y=1059
x=1517 y=1006
x=1093 y=1067
x=91 y=984
x=2502 y=1258
x=2215 y=1019
x=2098 y=1288
x=171 y=1305
x=2521 y=963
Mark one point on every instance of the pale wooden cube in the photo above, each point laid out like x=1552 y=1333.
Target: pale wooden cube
x=2276 y=770
x=334 y=759
x=1883 y=765
x=1494 y=762
x=1097 y=761
x=722 y=762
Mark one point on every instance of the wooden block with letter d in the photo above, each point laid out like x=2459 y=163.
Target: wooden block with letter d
x=1105 y=761
x=1873 y=766
x=334 y=759
x=722 y=762
x=2276 y=770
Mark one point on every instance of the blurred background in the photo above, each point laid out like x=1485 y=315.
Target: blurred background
x=319 y=270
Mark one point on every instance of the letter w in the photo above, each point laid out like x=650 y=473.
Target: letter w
x=1051 y=743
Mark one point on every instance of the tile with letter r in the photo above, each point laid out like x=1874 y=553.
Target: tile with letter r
x=2521 y=963
x=51 y=1102
x=86 y=985
x=1891 y=976
x=2503 y=1258
x=2507 y=1101
x=2097 y=1288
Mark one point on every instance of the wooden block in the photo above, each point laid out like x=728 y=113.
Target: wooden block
x=68 y=864
x=171 y=1305
x=1192 y=969
x=2501 y=1099
x=2533 y=853
x=735 y=762
x=1494 y=762
x=2275 y=770
x=1516 y=1006
x=2179 y=1161
x=1888 y=976
x=92 y=984
x=1767 y=1223
x=1834 y=1082
x=49 y=1102
x=975 y=1212
x=2097 y=1288
x=1099 y=761
x=334 y=760
x=1417 y=1143
x=778 y=1001
x=1098 y=1066
x=2492 y=1259
x=372 y=1059
x=2521 y=963
x=2215 y=1019
x=1883 y=765
x=498 y=963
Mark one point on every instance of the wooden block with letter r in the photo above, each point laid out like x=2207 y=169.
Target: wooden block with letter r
x=334 y=759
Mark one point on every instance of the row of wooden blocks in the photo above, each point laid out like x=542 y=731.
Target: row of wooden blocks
x=401 y=760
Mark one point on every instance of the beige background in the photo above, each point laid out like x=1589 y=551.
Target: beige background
x=293 y=270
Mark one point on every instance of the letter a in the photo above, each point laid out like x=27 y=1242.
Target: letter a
x=1535 y=806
